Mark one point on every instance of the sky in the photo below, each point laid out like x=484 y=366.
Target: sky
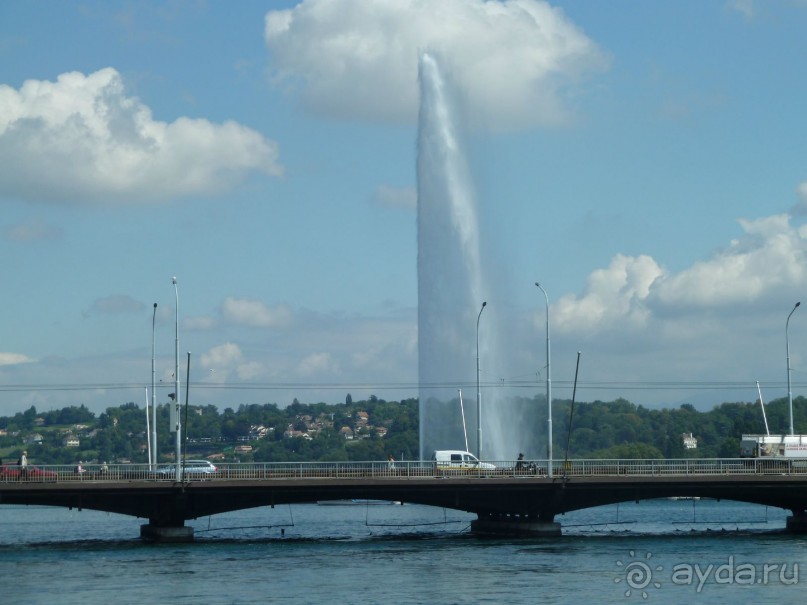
x=645 y=162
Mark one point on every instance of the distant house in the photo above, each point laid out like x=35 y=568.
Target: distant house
x=71 y=441
x=258 y=431
x=290 y=433
x=243 y=449
x=34 y=438
x=690 y=442
x=346 y=432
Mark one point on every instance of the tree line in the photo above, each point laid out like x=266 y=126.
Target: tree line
x=613 y=429
x=119 y=433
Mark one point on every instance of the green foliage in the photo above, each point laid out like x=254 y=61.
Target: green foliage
x=599 y=427
x=616 y=429
x=629 y=451
x=119 y=433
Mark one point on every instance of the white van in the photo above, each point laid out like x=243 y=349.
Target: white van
x=457 y=459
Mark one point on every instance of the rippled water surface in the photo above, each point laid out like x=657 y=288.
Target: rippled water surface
x=655 y=552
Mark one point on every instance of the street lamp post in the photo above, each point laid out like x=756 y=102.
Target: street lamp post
x=548 y=386
x=153 y=394
x=478 y=392
x=789 y=392
x=176 y=401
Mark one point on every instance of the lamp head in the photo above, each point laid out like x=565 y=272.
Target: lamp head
x=174 y=280
x=484 y=303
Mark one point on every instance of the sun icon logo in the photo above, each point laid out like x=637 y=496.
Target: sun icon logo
x=638 y=574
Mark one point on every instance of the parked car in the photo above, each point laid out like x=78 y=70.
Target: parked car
x=190 y=467
x=14 y=471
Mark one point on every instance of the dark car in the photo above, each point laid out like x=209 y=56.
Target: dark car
x=14 y=471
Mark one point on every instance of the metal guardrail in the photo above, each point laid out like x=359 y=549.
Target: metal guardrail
x=409 y=469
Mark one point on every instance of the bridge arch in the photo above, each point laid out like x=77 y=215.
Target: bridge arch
x=506 y=501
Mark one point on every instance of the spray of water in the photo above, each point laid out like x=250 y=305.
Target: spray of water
x=451 y=290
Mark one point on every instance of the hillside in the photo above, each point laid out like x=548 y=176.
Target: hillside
x=373 y=429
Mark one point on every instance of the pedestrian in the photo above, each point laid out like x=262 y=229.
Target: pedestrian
x=23 y=462
x=79 y=470
x=390 y=462
x=520 y=461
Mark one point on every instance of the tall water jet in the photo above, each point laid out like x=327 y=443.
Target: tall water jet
x=451 y=290
x=449 y=275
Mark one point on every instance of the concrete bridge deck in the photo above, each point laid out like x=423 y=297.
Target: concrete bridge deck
x=506 y=499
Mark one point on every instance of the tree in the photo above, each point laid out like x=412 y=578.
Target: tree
x=630 y=451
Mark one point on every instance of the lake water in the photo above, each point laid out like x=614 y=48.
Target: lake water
x=656 y=552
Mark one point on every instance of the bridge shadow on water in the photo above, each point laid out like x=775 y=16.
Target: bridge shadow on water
x=309 y=524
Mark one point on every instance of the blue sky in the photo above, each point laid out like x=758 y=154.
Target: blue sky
x=644 y=161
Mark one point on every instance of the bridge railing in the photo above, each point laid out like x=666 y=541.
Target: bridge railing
x=688 y=466
x=407 y=469
x=63 y=473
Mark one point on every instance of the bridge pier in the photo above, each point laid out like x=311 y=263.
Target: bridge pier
x=166 y=534
x=797 y=522
x=515 y=525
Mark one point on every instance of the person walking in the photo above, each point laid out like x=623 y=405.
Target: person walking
x=24 y=465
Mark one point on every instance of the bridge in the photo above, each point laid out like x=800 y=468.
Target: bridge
x=509 y=499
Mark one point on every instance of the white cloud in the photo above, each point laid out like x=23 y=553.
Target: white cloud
x=11 y=359
x=250 y=370
x=199 y=324
x=767 y=261
x=317 y=364
x=357 y=352
x=117 y=303
x=616 y=293
x=223 y=362
x=82 y=138
x=747 y=8
x=255 y=313
x=800 y=209
x=223 y=356
x=770 y=257
x=516 y=60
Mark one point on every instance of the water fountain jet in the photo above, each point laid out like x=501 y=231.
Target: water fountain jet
x=451 y=285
